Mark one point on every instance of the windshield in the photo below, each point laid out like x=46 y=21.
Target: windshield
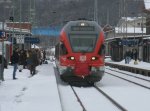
x=82 y=42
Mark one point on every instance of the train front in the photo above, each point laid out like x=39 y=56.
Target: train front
x=80 y=52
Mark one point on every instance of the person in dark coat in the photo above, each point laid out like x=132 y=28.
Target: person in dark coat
x=33 y=62
x=25 y=59
x=22 y=60
x=127 y=56
x=135 y=56
x=15 y=60
x=2 y=66
x=44 y=56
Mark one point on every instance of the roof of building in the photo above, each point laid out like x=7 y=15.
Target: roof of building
x=130 y=30
x=131 y=18
x=147 y=4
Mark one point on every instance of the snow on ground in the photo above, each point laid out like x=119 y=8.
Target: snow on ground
x=38 y=93
x=130 y=96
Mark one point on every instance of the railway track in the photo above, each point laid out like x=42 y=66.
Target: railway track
x=133 y=82
x=119 y=106
x=129 y=75
x=115 y=103
x=86 y=103
x=79 y=100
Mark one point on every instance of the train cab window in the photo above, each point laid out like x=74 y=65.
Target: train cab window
x=63 y=49
x=102 y=50
x=83 y=42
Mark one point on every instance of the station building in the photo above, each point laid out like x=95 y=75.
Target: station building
x=129 y=34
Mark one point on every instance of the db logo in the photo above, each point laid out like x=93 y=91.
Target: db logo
x=82 y=58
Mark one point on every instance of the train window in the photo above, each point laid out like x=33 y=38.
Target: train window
x=102 y=50
x=83 y=42
x=63 y=49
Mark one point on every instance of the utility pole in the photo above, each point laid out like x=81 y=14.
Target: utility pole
x=32 y=18
x=126 y=14
x=95 y=11
x=20 y=45
x=32 y=12
x=107 y=15
x=13 y=35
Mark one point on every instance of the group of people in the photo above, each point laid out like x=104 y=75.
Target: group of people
x=22 y=59
x=131 y=55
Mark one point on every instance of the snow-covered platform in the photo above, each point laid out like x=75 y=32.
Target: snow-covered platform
x=37 y=93
x=141 y=67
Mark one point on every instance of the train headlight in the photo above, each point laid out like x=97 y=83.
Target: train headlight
x=94 y=58
x=82 y=24
x=71 y=58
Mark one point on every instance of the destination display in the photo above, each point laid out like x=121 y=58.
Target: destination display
x=82 y=28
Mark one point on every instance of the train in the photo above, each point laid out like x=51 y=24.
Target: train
x=80 y=53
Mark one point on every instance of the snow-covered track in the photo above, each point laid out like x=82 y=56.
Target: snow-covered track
x=58 y=80
x=146 y=87
x=83 y=107
x=128 y=74
x=110 y=99
x=70 y=88
x=100 y=93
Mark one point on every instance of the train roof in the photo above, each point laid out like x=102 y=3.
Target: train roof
x=84 y=23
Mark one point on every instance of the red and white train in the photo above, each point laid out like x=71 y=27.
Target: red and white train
x=80 y=53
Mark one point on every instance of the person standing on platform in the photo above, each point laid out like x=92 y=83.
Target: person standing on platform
x=22 y=60
x=135 y=56
x=2 y=66
x=32 y=62
x=15 y=60
x=127 y=56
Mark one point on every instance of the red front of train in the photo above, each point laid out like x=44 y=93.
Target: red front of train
x=80 y=52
